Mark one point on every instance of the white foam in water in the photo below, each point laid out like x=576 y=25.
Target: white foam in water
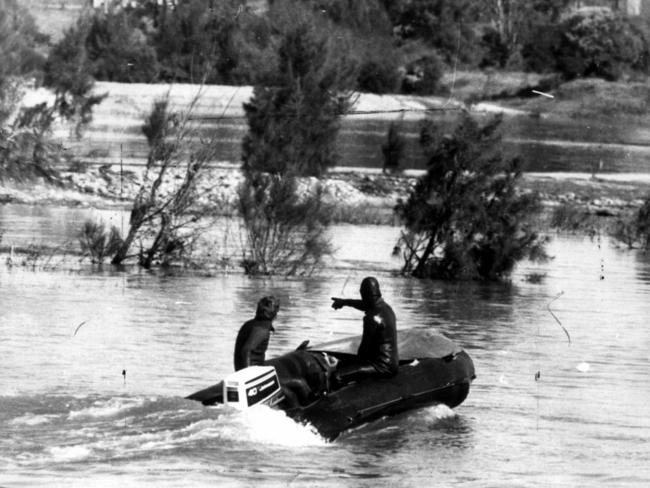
x=258 y=425
x=504 y=381
x=31 y=419
x=107 y=408
x=269 y=426
x=69 y=453
x=438 y=412
x=583 y=367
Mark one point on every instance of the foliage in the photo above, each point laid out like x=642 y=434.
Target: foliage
x=634 y=230
x=293 y=125
x=465 y=218
x=393 y=149
x=67 y=72
x=571 y=218
x=194 y=41
x=423 y=75
x=379 y=76
x=285 y=229
x=118 y=50
x=292 y=130
x=600 y=43
x=165 y=214
x=97 y=242
x=25 y=151
x=643 y=223
x=445 y=25
x=20 y=42
x=512 y=36
x=254 y=42
x=363 y=16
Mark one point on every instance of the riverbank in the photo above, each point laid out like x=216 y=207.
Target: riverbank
x=357 y=196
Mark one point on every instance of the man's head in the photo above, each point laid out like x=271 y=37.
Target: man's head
x=369 y=290
x=267 y=308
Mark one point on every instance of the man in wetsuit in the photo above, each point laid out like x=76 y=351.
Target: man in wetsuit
x=253 y=337
x=377 y=354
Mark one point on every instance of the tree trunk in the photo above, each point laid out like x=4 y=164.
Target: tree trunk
x=418 y=272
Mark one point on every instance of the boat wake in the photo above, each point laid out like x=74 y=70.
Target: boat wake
x=98 y=429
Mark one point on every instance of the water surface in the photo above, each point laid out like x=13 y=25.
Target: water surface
x=69 y=417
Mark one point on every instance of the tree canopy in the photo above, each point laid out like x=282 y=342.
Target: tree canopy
x=465 y=217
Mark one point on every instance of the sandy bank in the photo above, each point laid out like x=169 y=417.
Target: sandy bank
x=357 y=195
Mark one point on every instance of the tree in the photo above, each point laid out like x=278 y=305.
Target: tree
x=118 y=50
x=600 y=43
x=465 y=218
x=517 y=27
x=292 y=130
x=195 y=41
x=165 y=213
x=68 y=72
x=292 y=126
x=25 y=150
x=445 y=25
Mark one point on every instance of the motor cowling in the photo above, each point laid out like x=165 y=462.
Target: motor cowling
x=252 y=386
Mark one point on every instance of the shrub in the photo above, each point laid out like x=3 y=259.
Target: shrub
x=634 y=230
x=571 y=218
x=67 y=71
x=643 y=223
x=539 y=51
x=195 y=41
x=285 y=229
x=378 y=77
x=518 y=33
x=599 y=43
x=165 y=210
x=97 y=242
x=25 y=150
x=118 y=50
x=465 y=218
x=20 y=42
x=28 y=152
x=423 y=75
x=445 y=25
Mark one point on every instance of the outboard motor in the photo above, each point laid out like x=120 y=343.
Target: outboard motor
x=251 y=386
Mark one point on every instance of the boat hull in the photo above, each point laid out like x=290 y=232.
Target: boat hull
x=435 y=371
x=429 y=381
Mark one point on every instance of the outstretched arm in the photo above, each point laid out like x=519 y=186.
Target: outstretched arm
x=347 y=302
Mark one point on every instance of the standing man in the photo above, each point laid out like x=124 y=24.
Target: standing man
x=377 y=354
x=253 y=337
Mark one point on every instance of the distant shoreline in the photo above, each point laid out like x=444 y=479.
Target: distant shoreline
x=369 y=192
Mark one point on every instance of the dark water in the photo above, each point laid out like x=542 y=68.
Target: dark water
x=68 y=417
x=545 y=142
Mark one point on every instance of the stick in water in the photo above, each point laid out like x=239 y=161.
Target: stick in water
x=78 y=327
x=556 y=319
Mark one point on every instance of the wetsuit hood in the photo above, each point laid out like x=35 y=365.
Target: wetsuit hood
x=369 y=290
x=267 y=308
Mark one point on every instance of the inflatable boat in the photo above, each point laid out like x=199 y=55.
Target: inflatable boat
x=303 y=383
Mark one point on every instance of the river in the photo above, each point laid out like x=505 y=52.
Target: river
x=70 y=417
